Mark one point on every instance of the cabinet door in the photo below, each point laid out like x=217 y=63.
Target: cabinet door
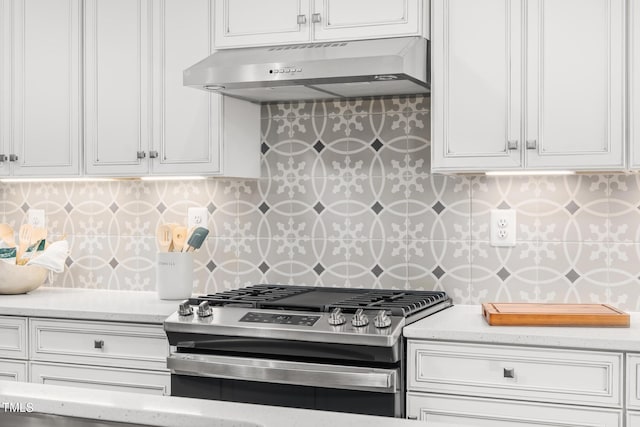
x=575 y=84
x=634 y=83
x=5 y=86
x=96 y=377
x=13 y=370
x=117 y=87
x=447 y=411
x=45 y=91
x=366 y=19
x=242 y=23
x=476 y=84
x=633 y=382
x=187 y=123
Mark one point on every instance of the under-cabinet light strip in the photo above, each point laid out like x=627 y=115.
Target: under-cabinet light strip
x=92 y=179
x=525 y=173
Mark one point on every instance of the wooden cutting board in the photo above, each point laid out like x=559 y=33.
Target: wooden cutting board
x=534 y=314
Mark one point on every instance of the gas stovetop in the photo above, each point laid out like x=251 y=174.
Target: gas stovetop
x=364 y=316
x=319 y=299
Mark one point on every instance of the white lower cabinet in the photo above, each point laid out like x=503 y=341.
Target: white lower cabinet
x=13 y=370
x=105 y=355
x=13 y=348
x=633 y=419
x=467 y=384
x=103 y=378
x=461 y=411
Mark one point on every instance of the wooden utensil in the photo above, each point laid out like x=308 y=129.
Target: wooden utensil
x=165 y=237
x=179 y=238
x=38 y=234
x=24 y=236
x=7 y=235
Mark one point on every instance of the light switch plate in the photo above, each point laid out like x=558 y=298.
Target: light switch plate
x=503 y=227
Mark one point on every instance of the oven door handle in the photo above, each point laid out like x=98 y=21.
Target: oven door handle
x=285 y=372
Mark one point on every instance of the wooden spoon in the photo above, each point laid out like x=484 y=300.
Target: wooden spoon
x=24 y=236
x=179 y=238
x=7 y=235
x=164 y=236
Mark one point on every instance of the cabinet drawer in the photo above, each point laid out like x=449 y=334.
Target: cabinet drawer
x=633 y=419
x=13 y=370
x=459 y=411
x=99 y=343
x=527 y=373
x=13 y=337
x=112 y=379
x=633 y=384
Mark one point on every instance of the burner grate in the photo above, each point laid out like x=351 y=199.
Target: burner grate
x=400 y=303
x=251 y=296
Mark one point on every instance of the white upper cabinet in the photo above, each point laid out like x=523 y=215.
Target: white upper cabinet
x=260 y=22
x=40 y=92
x=140 y=119
x=366 y=19
x=575 y=84
x=476 y=80
x=186 y=122
x=117 y=86
x=242 y=23
x=634 y=83
x=562 y=109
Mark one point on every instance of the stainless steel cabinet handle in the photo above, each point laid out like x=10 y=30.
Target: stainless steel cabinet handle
x=98 y=344
x=3 y=158
x=512 y=145
x=141 y=154
x=285 y=372
x=532 y=144
x=509 y=373
x=13 y=158
x=153 y=154
x=315 y=18
x=302 y=19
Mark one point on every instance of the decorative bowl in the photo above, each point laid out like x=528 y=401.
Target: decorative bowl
x=20 y=279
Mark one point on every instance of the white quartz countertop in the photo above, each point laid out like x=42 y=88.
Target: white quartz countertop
x=172 y=411
x=465 y=323
x=90 y=304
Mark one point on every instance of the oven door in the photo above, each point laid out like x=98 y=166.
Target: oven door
x=373 y=391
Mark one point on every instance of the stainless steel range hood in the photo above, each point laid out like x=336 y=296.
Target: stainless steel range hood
x=393 y=66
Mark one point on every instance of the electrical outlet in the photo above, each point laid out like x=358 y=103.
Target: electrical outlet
x=197 y=217
x=36 y=218
x=503 y=227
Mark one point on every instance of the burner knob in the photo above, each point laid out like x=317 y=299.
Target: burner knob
x=382 y=320
x=204 y=310
x=359 y=319
x=185 y=309
x=336 y=317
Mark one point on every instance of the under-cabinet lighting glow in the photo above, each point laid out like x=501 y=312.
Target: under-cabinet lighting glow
x=525 y=173
x=79 y=179
x=172 y=178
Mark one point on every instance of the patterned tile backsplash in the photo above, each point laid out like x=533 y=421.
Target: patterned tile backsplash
x=346 y=199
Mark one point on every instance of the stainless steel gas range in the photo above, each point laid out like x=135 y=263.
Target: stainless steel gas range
x=333 y=349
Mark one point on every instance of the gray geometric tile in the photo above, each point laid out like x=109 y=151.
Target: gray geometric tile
x=572 y=276
x=572 y=207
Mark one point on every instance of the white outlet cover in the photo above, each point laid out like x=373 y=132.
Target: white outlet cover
x=503 y=236
x=197 y=217
x=37 y=218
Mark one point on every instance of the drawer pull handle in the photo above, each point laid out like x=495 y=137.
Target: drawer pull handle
x=98 y=344
x=509 y=373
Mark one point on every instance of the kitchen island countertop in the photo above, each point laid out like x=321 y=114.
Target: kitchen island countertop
x=89 y=304
x=172 y=411
x=464 y=323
